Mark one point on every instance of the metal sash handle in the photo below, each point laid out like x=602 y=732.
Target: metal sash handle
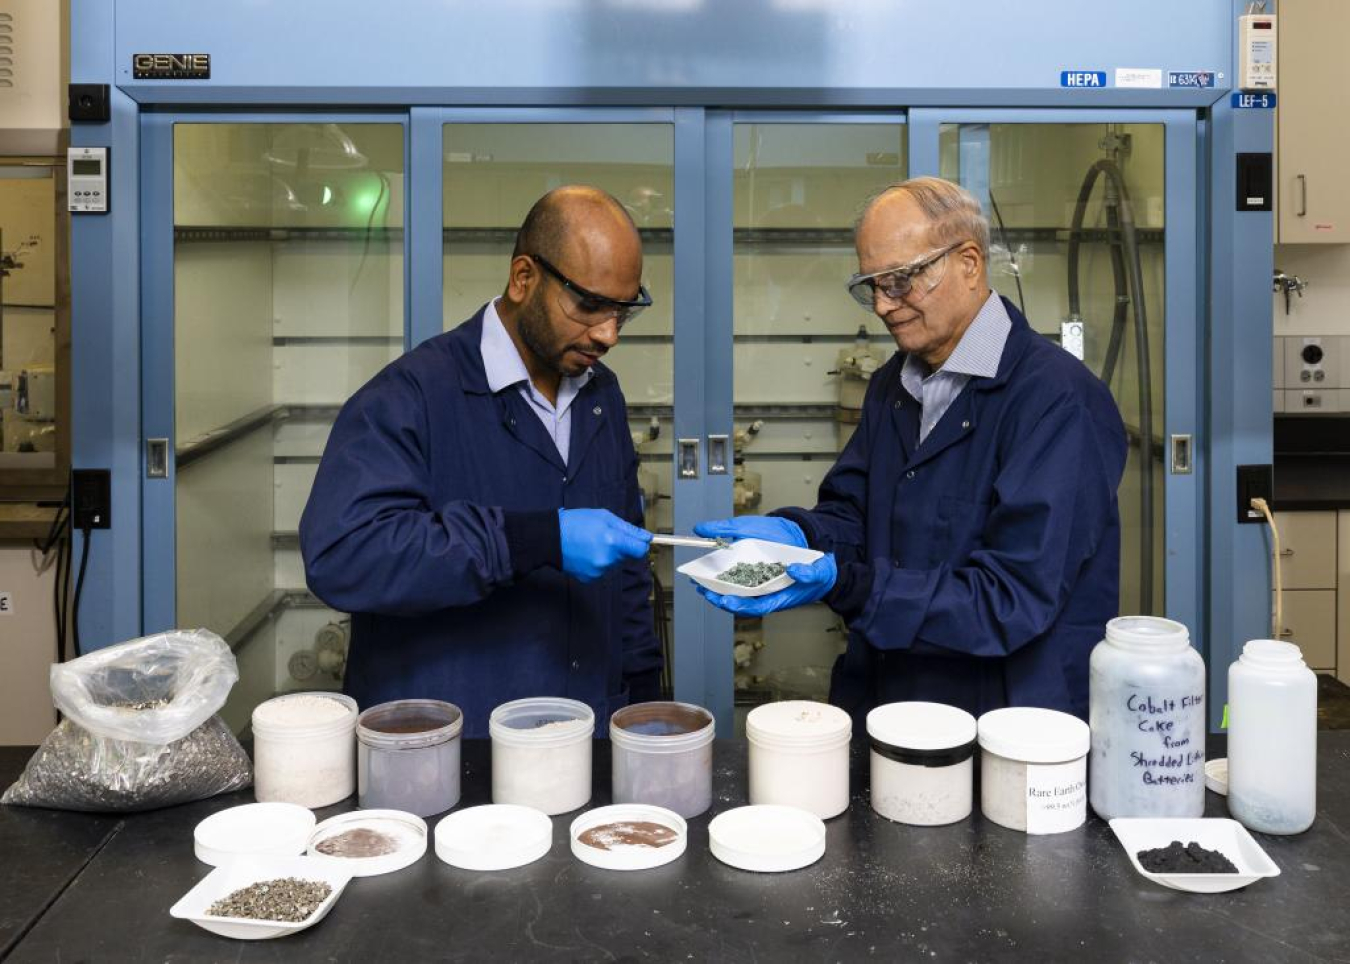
x=1303 y=195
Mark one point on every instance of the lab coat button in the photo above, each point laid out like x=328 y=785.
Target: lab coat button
x=596 y=410
x=965 y=424
x=898 y=403
x=909 y=474
x=576 y=664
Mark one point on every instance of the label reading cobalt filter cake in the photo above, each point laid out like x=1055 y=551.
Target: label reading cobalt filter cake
x=1056 y=796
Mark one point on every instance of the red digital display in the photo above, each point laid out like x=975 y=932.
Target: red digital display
x=1262 y=25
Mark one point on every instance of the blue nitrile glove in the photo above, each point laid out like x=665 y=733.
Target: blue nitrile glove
x=595 y=540
x=767 y=527
x=811 y=581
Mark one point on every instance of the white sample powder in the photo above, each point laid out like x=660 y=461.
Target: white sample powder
x=300 y=710
x=304 y=750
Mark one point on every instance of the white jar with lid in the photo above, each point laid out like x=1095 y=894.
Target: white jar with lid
x=799 y=756
x=1146 y=686
x=541 y=753
x=1033 y=769
x=1272 y=738
x=304 y=749
x=922 y=762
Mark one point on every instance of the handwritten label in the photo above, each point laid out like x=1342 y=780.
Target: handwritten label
x=1056 y=796
x=6 y=604
x=1170 y=757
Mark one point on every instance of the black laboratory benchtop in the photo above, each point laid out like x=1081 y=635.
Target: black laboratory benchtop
x=972 y=891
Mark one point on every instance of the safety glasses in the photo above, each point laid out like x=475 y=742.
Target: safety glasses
x=897 y=283
x=587 y=307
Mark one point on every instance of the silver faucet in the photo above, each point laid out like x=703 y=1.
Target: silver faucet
x=1289 y=284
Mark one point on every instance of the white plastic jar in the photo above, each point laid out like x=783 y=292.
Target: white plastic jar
x=922 y=762
x=541 y=753
x=1272 y=738
x=661 y=754
x=1033 y=769
x=304 y=749
x=799 y=756
x=1146 y=686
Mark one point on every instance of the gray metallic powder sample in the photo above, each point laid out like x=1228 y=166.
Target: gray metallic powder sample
x=752 y=574
x=287 y=899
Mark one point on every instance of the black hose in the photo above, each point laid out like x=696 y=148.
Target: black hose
x=79 y=587
x=1124 y=239
x=1012 y=258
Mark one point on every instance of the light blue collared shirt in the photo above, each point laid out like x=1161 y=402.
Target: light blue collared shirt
x=976 y=355
x=505 y=369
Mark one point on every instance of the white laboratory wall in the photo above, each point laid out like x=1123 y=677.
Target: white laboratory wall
x=27 y=646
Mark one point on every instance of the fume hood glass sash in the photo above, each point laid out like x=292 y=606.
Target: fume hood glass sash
x=966 y=144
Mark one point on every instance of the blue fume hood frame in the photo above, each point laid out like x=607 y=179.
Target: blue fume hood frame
x=695 y=62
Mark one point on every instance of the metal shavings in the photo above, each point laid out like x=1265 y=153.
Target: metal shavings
x=76 y=770
x=287 y=899
x=752 y=574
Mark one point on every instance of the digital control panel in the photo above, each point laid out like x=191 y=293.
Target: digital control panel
x=1257 y=47
x=87 y=180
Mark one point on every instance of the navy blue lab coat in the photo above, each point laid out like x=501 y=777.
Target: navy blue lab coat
x=979 y=568
x=433 y=521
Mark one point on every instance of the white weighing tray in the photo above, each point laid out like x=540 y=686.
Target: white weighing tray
x=635 y=857
x=767 y=838
x=498 y=836
x=407 y=829
x=253 y=830
x=1228 y=837
x=239 y=873
x=706 y=568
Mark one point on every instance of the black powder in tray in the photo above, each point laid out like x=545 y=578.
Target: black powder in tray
x=1191 y=858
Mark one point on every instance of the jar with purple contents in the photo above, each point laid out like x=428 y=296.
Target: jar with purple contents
x=408 y=756
x=661 y=754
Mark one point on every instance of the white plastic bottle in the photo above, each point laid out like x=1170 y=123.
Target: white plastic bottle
x=1146 y=693
x=1272 y=738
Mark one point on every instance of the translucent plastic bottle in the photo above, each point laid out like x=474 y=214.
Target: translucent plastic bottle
x=1272 y=738
x=1146 y=690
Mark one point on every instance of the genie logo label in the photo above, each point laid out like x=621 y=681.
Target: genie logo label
x=171 y=66
x=1190 y=78
x=1082 y=78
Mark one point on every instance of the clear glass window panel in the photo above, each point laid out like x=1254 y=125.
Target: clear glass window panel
x=797 y=190
x=288 y=297
x=28 y=318
x=1029 y=178
x=493 y=174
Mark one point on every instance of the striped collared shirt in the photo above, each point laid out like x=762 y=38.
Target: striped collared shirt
x=505 y=368
x=976 y=355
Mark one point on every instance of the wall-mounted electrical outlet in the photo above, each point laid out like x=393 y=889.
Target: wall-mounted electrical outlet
x=91 y=498
x=1254 y=482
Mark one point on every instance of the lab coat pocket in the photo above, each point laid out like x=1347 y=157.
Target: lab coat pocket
x=960 y=528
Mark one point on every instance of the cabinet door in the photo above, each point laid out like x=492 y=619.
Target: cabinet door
x=1313 y=203
x=1308 y=549
x=1310 y=623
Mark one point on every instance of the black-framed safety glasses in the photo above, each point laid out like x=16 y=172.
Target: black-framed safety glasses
x=590 y=309
x=897 y=283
